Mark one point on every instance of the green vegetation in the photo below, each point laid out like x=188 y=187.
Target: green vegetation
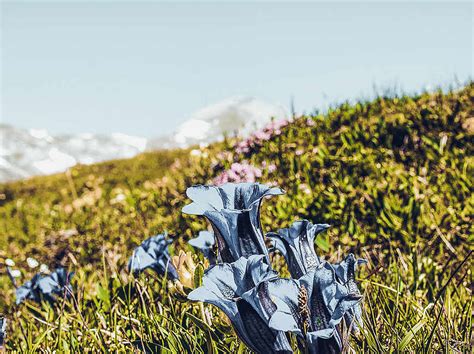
x=394 y=178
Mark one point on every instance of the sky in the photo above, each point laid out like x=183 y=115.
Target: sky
x=141 y=68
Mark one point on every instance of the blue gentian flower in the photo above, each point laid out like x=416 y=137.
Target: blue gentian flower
x=296 y=244
x=261 y=305
x=345 y=273
x=46 y=287
x=205 y=242
x=153 y=254
x=224 y=285
x=312 y=307
x=3 y=331
x=234 y=213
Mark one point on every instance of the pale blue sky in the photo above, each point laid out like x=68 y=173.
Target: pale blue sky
x=143 y=67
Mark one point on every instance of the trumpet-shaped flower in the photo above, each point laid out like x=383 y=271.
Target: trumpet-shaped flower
x=234 y=213
x=153 y=254
x=204 y=242
x=345 y=273
x=224 y=285
x=311 y=306
x=45 y=287
x=296 y=244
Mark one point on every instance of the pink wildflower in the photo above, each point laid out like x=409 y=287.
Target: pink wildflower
x=271 y=168
x=239 y=172
x=264 y=134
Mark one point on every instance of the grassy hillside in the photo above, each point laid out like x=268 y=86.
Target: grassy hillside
x=394 y=178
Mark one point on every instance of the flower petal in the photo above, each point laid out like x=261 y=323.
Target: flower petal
x=262 y=339
x=45 y=287
x=204 y=198
x=153 y=254
x=276 y=301
x=296 y=244
x=345 y=273
x=23 y=293
x=205 y=242
x=3 y=331
x=140 y=260
x=325 y=341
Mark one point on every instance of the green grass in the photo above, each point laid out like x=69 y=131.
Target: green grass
x=393 y=177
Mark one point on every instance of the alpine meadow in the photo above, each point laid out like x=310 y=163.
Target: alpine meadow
x=384 y=184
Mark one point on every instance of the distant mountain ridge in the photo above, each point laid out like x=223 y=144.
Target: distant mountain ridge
x=209 y=124
x=29 y=152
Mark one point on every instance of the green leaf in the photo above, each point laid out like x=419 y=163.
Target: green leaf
x=198 y=274
x=411 y=334
x=103 y=295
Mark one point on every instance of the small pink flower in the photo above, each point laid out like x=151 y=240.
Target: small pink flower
x=272 y=168
x=239 y=172
x=270 y=129
x=310 y=122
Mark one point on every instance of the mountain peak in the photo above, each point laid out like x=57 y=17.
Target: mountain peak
x=29 y=152
x=236 y=114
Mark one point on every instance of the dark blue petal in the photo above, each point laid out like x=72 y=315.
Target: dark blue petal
x=231 y=196
x=3 y=331
x=231 y=280
x=29 y=291
x=23 y=293
x=322 y=288
x=345 y=273
x=262 y=339
x=296 y=244
x=140 y=260
x=205 y=242
x=326 y=341
x=276 y=301
x=153 y=254
x=45 y=287
x=250 y=272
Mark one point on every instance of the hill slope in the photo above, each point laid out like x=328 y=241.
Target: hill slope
x=393 y=177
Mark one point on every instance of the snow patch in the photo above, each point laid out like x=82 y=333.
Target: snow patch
x=57 y=161
x=134 y=141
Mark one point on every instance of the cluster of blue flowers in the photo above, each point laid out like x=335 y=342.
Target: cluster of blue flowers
x=46 y=287
x=262 y=306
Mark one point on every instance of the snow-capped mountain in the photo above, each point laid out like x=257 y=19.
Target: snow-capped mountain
x=25 y=153
x=236 y=114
